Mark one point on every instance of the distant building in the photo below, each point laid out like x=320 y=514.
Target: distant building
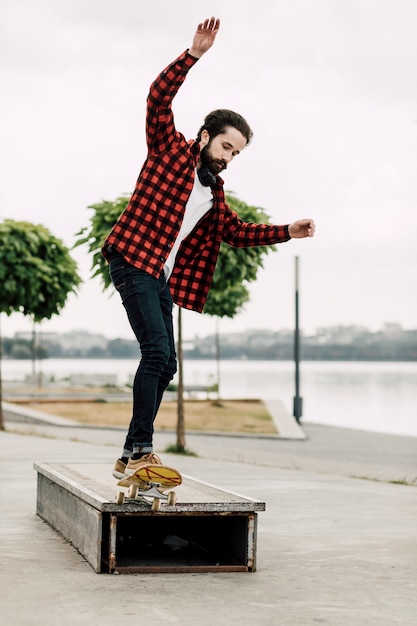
x=79 y=341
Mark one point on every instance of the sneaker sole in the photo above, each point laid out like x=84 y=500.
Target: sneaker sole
x=161 y=474
x=132 y=481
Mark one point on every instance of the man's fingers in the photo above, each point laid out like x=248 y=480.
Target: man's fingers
x=211 y=23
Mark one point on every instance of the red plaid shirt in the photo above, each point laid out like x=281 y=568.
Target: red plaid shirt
x=147 y=229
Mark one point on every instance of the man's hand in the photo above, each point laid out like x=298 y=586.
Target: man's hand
x=301 y=228
x=204 y=37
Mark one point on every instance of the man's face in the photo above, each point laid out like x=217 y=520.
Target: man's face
x=218 y=152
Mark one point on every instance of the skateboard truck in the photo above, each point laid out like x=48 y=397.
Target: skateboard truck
x=150 y=482
x=152 y=492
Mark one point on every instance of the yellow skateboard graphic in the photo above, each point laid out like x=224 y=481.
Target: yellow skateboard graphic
x=150 y=482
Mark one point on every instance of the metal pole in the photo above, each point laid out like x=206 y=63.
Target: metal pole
x=298 y=401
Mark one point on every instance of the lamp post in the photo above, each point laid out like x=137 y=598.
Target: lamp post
x=298 y=401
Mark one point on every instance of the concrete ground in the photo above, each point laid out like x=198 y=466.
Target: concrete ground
x=332 y=549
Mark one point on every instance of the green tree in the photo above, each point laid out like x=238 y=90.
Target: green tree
x=37 y=273
x=105 y=215
x=235 y=269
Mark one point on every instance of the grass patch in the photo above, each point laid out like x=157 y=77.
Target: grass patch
x=243 y=416
x=174 y=449
x=399 y=481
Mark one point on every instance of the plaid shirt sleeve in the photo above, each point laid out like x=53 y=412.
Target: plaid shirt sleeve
x=160 y=128
x=240 y=234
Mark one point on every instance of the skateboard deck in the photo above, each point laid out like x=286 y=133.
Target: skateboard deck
x=149 y=484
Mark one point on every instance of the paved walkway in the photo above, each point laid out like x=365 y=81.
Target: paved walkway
x=321 y=449
x=332 y=549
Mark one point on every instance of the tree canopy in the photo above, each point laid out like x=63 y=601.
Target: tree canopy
x=105 y=215
x=37 y=271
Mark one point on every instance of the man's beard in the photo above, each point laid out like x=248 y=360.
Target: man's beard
x=214 y=165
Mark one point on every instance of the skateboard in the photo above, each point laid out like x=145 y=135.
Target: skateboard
x=149 y=483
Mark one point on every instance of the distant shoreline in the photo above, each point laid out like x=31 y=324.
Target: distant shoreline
x=347 y=344
x=225 y=358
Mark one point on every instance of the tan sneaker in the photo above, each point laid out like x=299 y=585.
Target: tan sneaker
x=147 y=459
x=148 y=471
x=119 y=469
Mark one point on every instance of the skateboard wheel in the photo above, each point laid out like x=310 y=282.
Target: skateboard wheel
x=120 y=498
x=172 y=498
x=156 y=504
x=133 y=491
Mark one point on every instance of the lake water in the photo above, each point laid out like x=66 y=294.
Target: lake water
x=375 y=396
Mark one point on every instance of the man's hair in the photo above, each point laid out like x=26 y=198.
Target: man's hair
x=217 y=121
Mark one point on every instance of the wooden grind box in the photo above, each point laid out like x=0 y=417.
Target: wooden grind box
x=207 y=530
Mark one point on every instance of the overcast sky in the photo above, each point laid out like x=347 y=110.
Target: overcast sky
x=330 y=89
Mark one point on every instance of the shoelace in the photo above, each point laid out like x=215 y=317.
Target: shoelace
x=153 y=458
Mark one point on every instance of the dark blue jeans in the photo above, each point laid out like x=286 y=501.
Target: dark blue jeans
x=148 y=305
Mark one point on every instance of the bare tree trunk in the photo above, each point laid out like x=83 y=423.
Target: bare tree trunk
x=180 y=390
x=39 y=376
x=1 y=384
x=33 y=351
x=218 y=358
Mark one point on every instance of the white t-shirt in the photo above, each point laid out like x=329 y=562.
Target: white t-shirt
x=199 y=202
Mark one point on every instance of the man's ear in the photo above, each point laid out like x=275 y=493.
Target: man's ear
x=205 y=138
